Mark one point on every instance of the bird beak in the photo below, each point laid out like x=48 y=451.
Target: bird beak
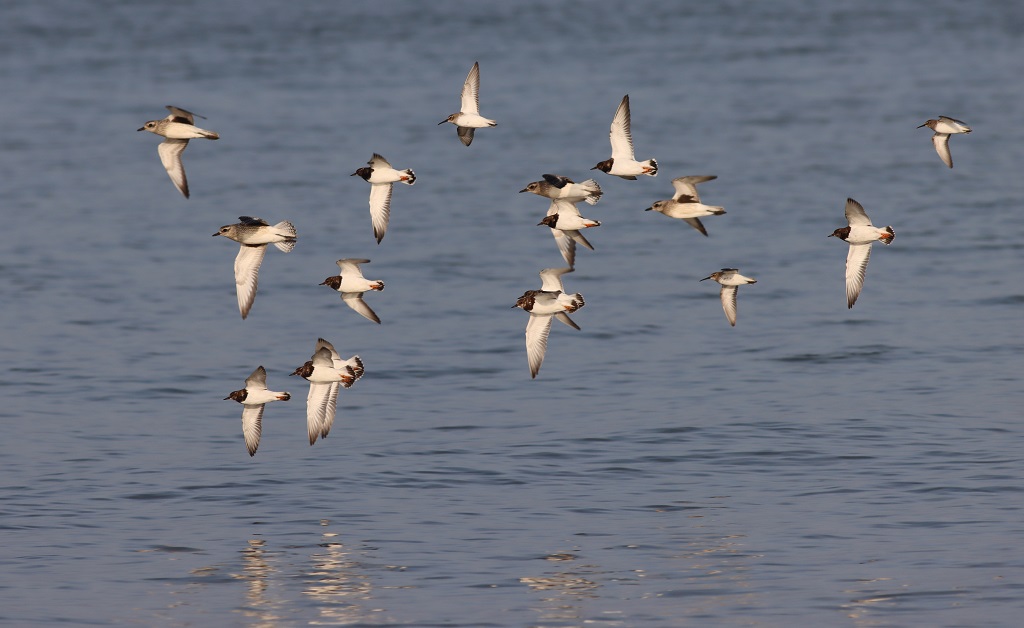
x=141 y=129
x=649 y=209
x=522 y=190
x=594 y=168
x=216 y=234
x=708 y=277
x=353 y=174
x=229 y=396
x=442 y=122
x=923 y=125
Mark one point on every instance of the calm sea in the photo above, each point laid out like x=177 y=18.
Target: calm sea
x=813 y=466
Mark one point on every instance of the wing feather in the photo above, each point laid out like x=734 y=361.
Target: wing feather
x=247 y=269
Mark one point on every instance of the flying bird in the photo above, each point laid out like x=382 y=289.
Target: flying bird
x=381 y=177
x=351 y=284
x=253 y=398
x=468 y=118
x=176 y=129
x=730 y=279
x=859 y=235
x=944 y=127
x=622 y=163
x=551 y=301
x=254 y=234
x=685 y=203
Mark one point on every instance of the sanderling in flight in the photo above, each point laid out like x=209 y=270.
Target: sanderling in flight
x=622 y=163
x=253 y=397
x=685 y=203
x=380 y=175
x=177 y=129
x=730 y=279
x=859 y=235
x=351 y=284
x=565 y=222
x=254 y=234
x=944 y=127
x=469 y=118
x=556 y=186
x=326 y=373
x=551 y=301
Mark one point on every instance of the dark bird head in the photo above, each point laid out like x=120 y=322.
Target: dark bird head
x=842 y=234
x=238 y=395
x=333 y=282
x=604 y=166
x=305 y=370
x=550 y=221
x=363 y=172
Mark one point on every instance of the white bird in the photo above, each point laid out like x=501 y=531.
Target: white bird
x=351 y=284
x=730 y=279
x=177 y=129
x=468 y=118
x=556 y=186
x=551 y=301
x=859 y=235
x=254 y=234
x=944 y=127
x=381 y=176
x=622 y=163
x=253 y=398
x=565 y=222
x=326 y=373
x=685 y=203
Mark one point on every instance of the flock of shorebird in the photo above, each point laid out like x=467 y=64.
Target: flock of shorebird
x=327 y=372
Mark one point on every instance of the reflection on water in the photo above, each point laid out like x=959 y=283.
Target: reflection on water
x=562 y=591
x=256 y=572
x=335 y=584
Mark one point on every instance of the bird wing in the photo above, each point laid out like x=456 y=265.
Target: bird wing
x=471 y=96
x=696 y=224
x=258 y=379
x=562 y=316
x=170 y=151
x=856 y=267
x=557 y=180
x=252 y=426
x=378 y=161
x=566 y=246
x=622 y=139
x=184 y=114
x=855 y=214
x=330 y=408
x=941 y=143
x=537 y=330
x=728 y=294
x=551 y=279
x=317 y=408
x=688 y=186
x=247 y=270
x=350 y=266
x=465 y=134
x=380 y=208
x=355 y=301
x=563 y=207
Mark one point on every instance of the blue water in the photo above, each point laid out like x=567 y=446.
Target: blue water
x=813 y=465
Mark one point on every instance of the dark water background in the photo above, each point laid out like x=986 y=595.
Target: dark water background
x=812 y=466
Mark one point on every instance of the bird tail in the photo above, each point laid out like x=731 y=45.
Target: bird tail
x=889 y=236
x=653 y=165
x=593 y=189
x=287 y=230
x=411 y=177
